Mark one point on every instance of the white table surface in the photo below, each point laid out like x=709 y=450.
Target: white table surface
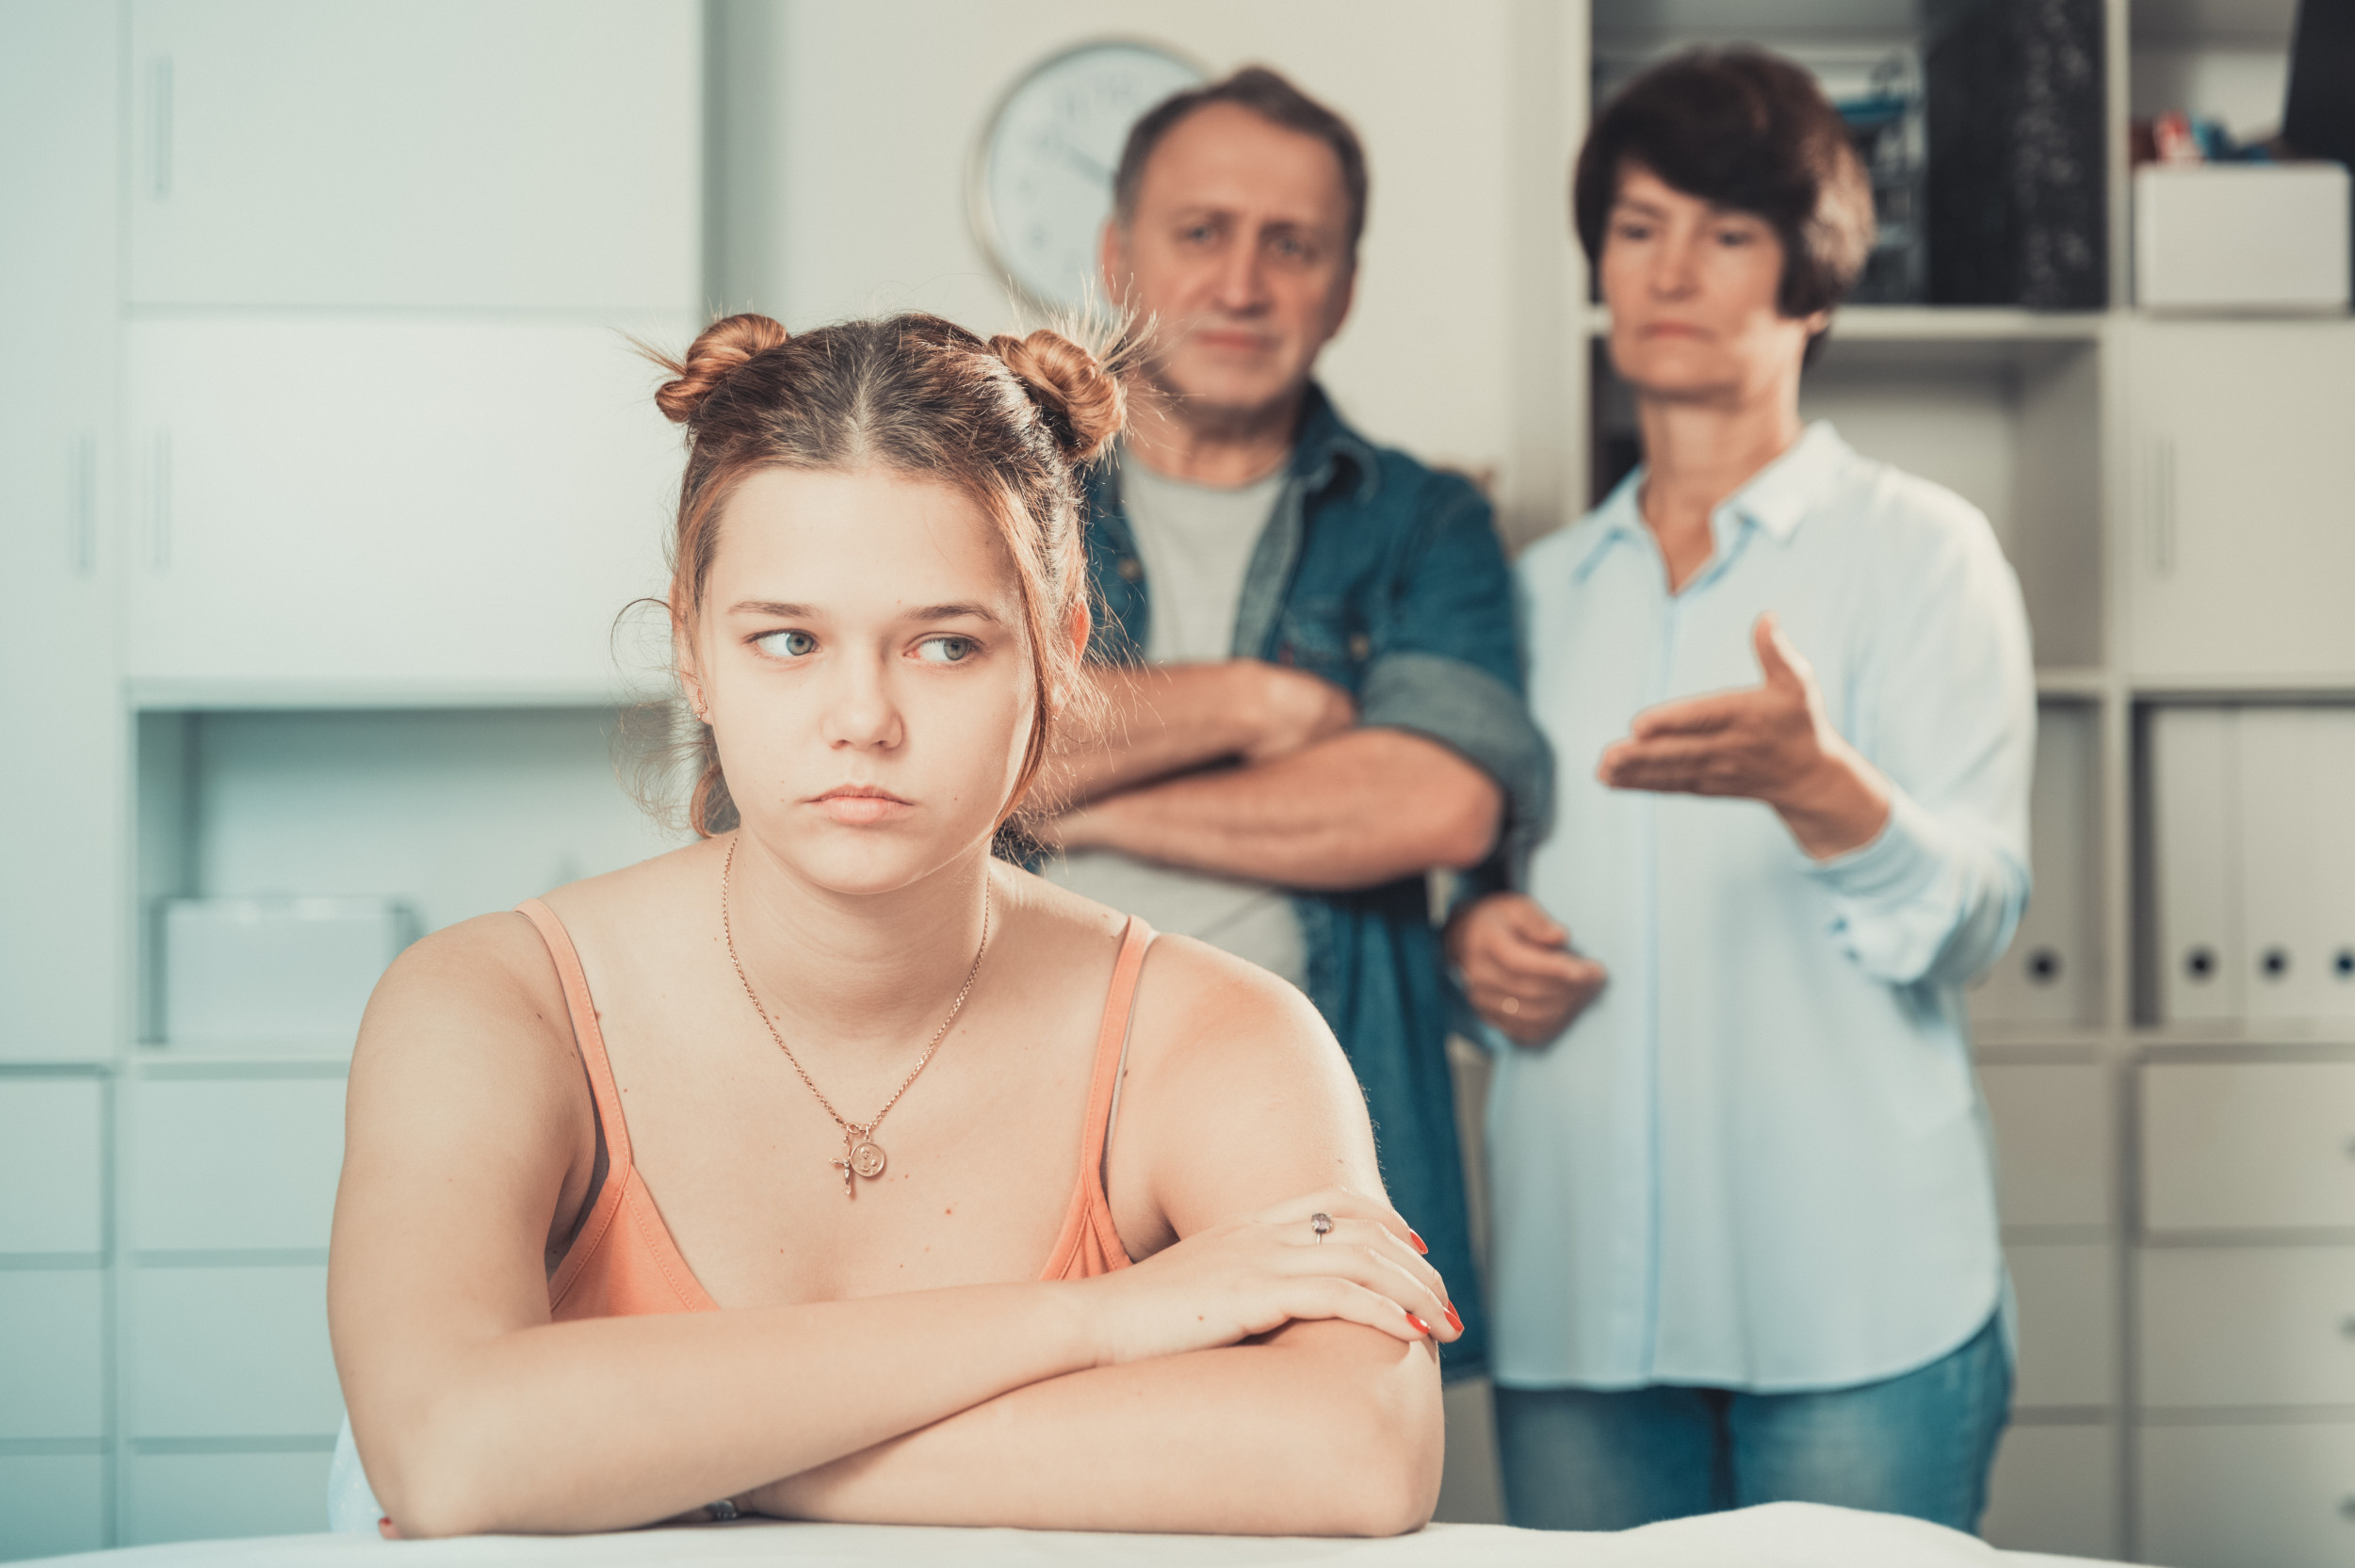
x=1780 y=1535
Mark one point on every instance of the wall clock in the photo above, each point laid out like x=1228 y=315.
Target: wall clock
x=1042 y=179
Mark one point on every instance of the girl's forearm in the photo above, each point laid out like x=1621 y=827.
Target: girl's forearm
x=609 y=1423
x=1326 y=1429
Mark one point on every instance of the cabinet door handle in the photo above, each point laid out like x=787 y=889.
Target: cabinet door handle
x=2163 y=508
x=159 y=504
x=159 y=127
x=81 y=505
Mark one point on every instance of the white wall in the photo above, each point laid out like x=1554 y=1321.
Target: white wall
x=844 y=134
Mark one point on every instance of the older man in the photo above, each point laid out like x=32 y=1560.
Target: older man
x=1314 y=689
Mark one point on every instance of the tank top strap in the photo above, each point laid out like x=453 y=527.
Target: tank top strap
x=1111 y=1049
x=587 y=1036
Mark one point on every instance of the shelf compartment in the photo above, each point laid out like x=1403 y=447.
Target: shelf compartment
x=452 y=813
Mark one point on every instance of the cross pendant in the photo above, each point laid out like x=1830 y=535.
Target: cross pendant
x=844 y=1163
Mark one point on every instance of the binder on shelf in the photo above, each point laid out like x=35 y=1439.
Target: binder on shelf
x=2278 y=813
x=2196 y=822
x=2334 y=904
x=2048 y=975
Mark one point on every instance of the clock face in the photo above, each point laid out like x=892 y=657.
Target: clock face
x=1043 y=176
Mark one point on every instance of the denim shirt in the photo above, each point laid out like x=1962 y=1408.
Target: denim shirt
x=1385 y=578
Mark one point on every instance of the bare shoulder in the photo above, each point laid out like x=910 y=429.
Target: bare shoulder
x=474 y=1008
x=1237 y=1096
x=1201 y=1009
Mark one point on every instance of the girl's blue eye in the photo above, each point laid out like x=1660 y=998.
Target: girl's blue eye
x=945 y=650
x=788 y=644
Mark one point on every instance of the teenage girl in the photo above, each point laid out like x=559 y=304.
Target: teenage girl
x=829 y=1167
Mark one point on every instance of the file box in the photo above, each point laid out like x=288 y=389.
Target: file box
x=274 y=971
x=2241 y=237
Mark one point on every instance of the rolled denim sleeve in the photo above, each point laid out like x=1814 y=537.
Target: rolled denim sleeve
x=1449 y=661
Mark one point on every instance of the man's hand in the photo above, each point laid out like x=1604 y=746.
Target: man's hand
x=1293 y=709
x=1519 y=969
x=1772 y=742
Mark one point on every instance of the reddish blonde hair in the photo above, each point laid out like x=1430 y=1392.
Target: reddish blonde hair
x=1009 y=422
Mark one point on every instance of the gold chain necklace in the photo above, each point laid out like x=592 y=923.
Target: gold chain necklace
x=861 y=1154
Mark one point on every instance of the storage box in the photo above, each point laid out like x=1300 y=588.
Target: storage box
x=274 y=971
x=2245 y=237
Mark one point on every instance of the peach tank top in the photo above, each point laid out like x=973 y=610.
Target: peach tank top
x=622 y=1261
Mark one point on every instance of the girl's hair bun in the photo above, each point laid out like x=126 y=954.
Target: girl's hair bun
x=716 y=353
x=1083 y=399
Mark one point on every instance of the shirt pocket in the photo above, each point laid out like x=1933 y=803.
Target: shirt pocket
x=1327 y=639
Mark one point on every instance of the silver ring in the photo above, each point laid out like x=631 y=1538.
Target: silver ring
x=723 y=1511
x=1320 y=1224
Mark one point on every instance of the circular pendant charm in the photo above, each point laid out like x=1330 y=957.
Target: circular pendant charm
x=866 y=1159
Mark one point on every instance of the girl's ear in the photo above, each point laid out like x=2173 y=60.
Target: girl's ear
x=1082 y=624
x=690 y=678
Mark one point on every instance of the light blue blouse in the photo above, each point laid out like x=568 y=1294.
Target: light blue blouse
x=1760 y=1160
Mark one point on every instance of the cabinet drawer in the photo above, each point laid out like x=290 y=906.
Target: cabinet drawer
x=2055 y=1488
x=231 y=1353
x=51 y=1504
x=2249 y=1145
x=209 y=1496
x=53 y=1346
x=2067 y=1295
x=52 y=1166
x=2248 y=1326
x=2053 y=1143
x=2246 y=1497
x=233 y=1163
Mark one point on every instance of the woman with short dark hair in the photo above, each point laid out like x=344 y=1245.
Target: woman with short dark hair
x=1746 y=1243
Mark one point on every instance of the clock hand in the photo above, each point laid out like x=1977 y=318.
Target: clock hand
x=1092 y=168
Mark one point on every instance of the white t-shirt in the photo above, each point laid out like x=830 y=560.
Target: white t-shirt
x=1196 y=541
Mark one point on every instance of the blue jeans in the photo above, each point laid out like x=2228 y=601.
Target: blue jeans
x=1920 y=1443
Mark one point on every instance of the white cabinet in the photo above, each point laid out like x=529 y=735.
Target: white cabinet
x=2248 y=1326
x=231 y=1353
x=2254 y=1146
x=2054 y=1490
x=528 y=155
x=2068 y=1300
x=2241 y=1497
x=202 y=1497
x=60 y=974
x=2240 y=471
x=2054 y=1149
x=53 y=1345
x=52 y=1164
x=51 y=1504
x=393 y=501
x=233 y=1164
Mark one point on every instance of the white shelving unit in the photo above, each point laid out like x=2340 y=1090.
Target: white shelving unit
x=2178 y=1195
x=327 y=467
x=297 y=620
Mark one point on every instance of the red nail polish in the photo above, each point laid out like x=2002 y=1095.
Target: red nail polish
x=1421 y=1327
x=1421 y=1245
x=1452 y=1321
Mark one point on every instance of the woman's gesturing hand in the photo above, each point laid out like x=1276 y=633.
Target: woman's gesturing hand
x=1255 y=1273
x=1518 y=970
x=1772 y=742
